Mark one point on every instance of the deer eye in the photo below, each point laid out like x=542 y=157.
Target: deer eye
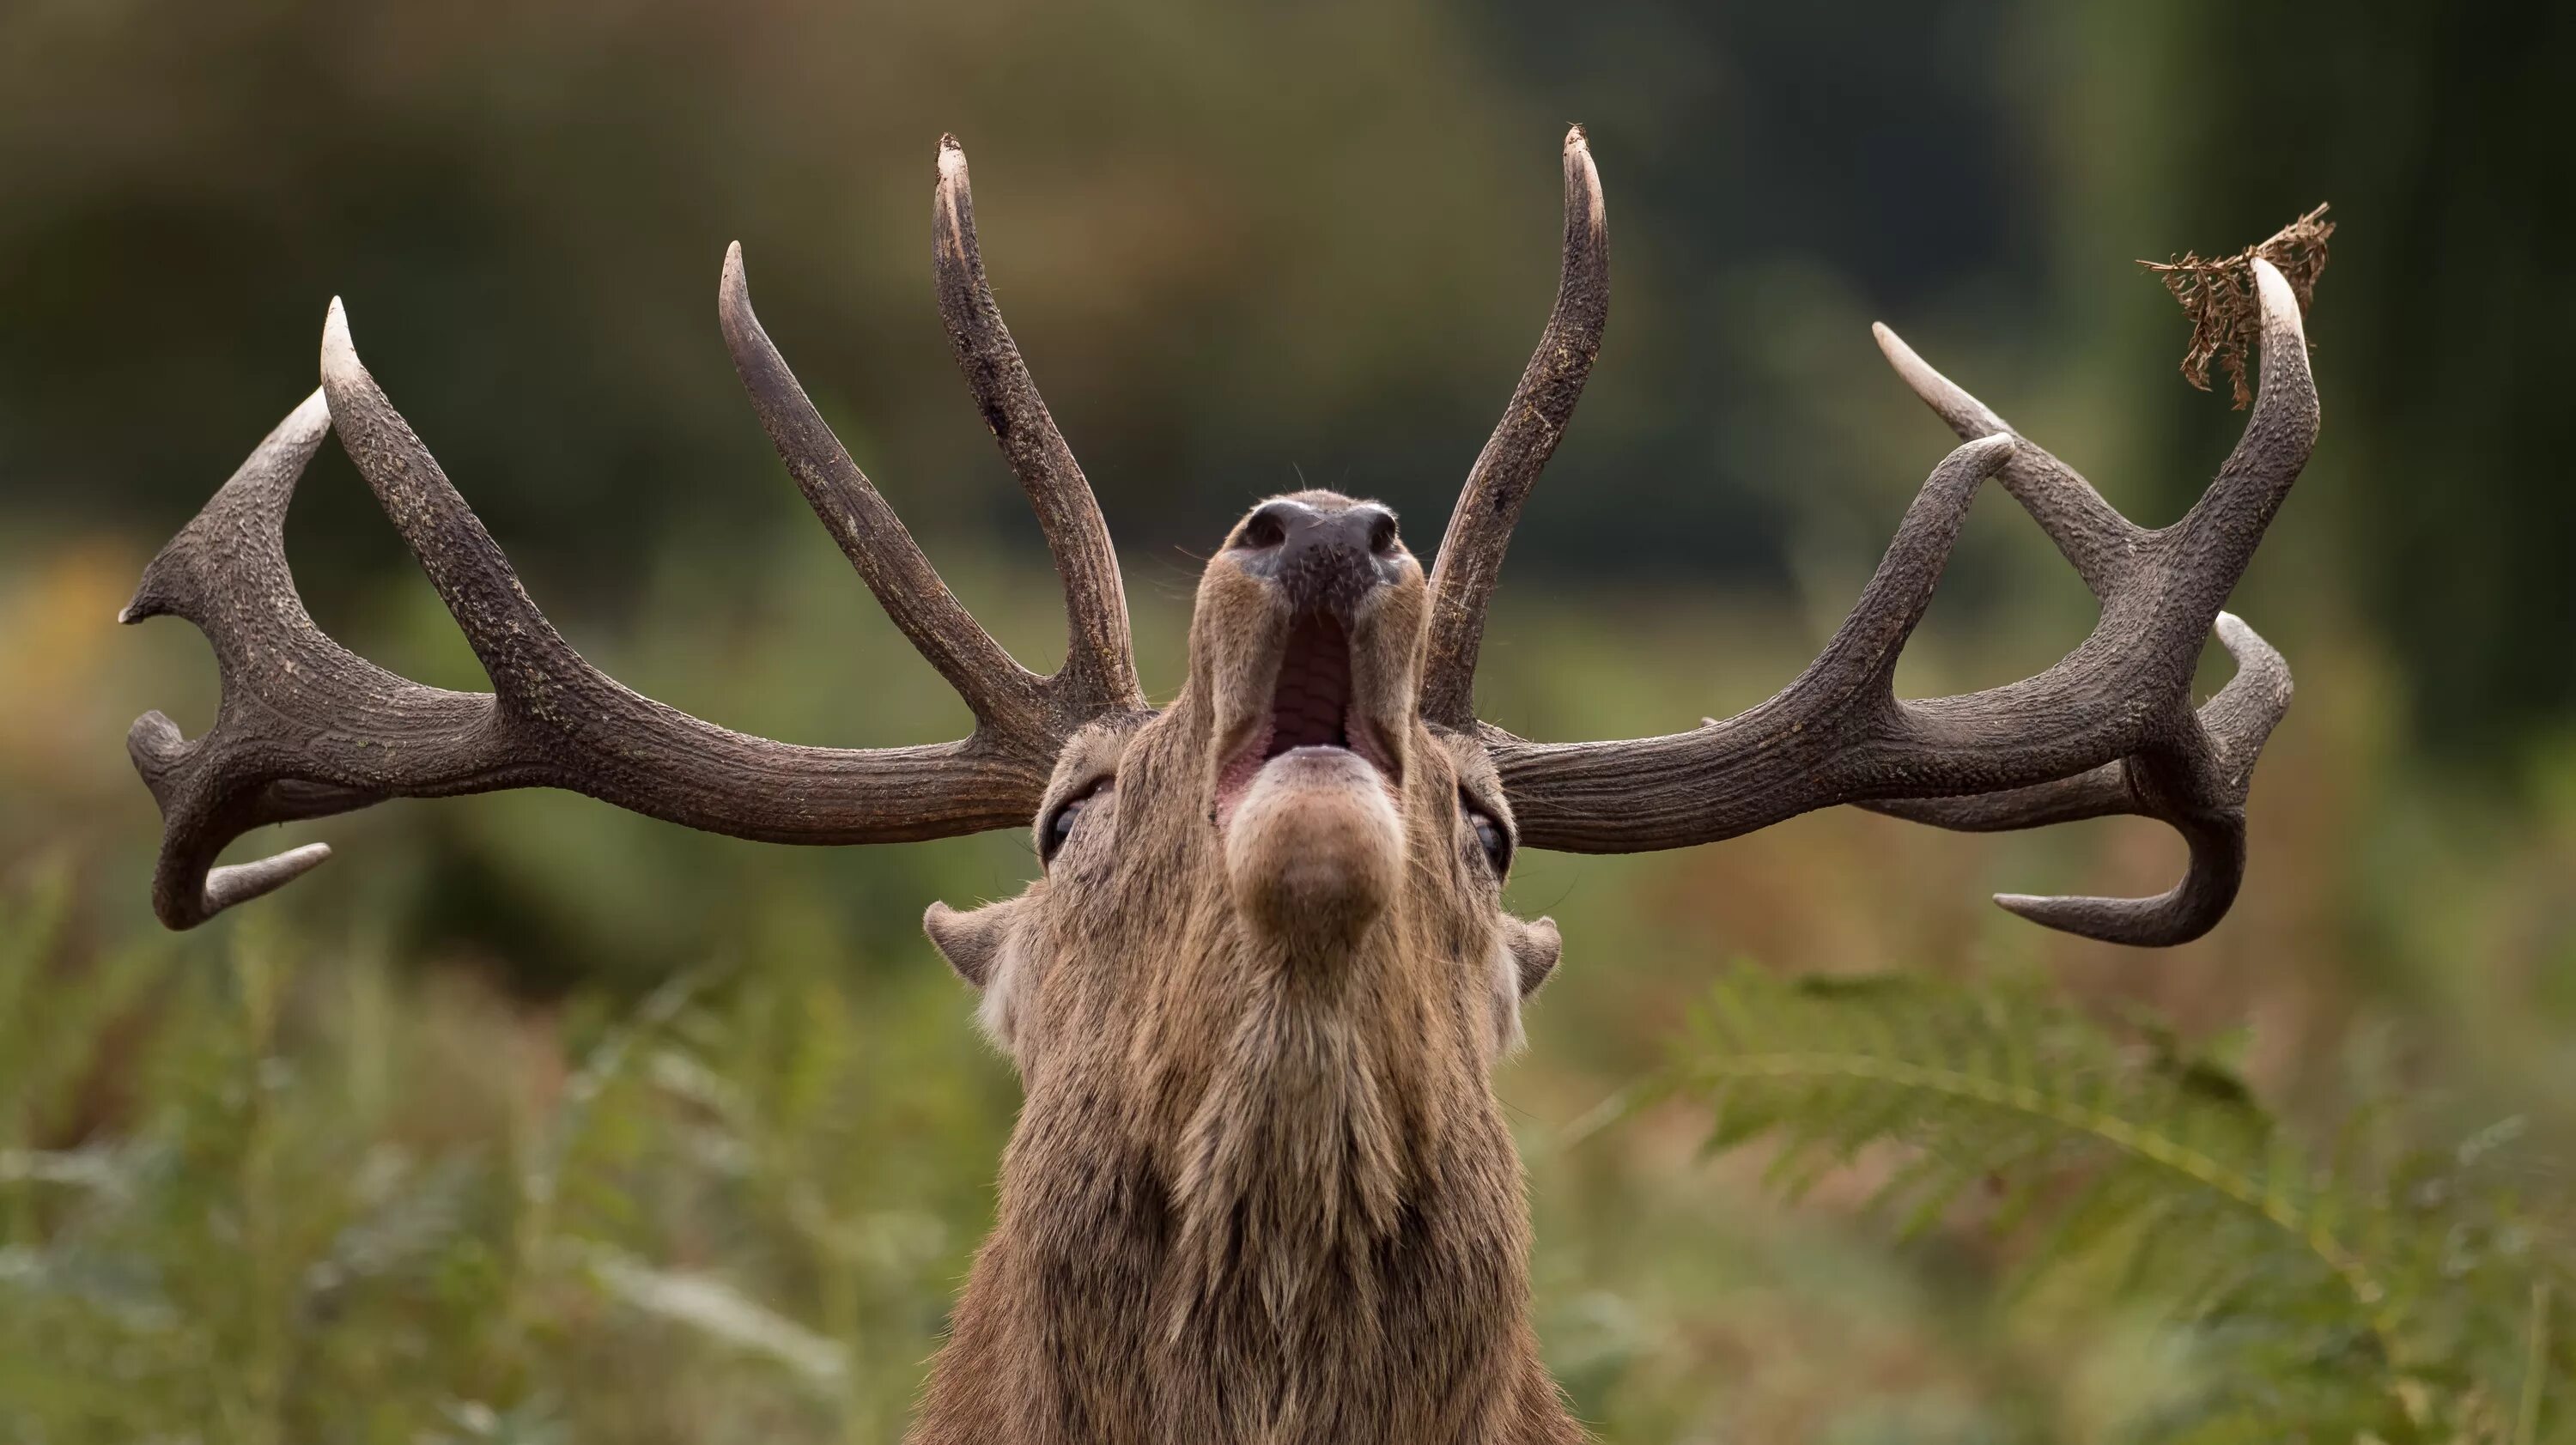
x=1056 y=829
x=1491 y=836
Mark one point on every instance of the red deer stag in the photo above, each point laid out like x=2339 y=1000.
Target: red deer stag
x=1260 y=1188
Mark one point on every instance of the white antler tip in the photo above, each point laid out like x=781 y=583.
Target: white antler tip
x=2247 y=645
x=339 y=353
x=1893 y=347
x=305 y=859
x=2279 y=301
x=241 y=882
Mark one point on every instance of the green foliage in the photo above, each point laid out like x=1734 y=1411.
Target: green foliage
x=2373 y=1292
x=324 y=1171
x=254 y=1187
x=243 y=1201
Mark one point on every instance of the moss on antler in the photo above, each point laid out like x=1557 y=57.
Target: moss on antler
x=2218 y=296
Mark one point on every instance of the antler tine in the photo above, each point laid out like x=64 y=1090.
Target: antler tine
x=2222 y=528
x=2108 y=729
x=999 y=691
x=519 y=649
x=2094 y=538
x=1480 y=526
x=1100 y=659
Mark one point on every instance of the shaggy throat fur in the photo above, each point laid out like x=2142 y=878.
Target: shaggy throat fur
x=1292 y=1174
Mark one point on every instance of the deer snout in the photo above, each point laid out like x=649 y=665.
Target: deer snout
x=1325 y=558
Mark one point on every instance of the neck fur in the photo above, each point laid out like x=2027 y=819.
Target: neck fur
x=1292 y=1165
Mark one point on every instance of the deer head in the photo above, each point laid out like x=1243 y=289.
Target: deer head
x=1260 y=1187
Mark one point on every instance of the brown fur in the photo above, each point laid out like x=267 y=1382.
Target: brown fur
x=1260 y=1190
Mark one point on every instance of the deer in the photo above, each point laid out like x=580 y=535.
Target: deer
x=1260 y=1187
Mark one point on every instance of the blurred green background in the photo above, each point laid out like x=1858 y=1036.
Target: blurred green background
x=529 y=1120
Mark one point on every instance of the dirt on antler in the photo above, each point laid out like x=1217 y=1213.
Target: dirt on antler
x=2218 y=296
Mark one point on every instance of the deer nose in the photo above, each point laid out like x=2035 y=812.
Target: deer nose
x=1326 y=559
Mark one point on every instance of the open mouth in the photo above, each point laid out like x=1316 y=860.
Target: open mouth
x=1311 y=706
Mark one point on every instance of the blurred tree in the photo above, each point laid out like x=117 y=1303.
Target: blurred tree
x=2441 y=135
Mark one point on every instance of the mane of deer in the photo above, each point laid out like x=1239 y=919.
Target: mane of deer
x=1260 y=1188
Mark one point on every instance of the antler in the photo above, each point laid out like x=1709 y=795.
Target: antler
x=2108 y=729
x=1101 y=651
x=307 y=728
x=1480 y=526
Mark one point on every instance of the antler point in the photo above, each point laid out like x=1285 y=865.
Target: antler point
x=733 y=284
x=339 y=353
x=2025 y=905
x=2280 y=299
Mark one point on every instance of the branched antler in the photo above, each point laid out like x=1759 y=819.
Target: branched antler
x=2108 y=729
x=307 y=728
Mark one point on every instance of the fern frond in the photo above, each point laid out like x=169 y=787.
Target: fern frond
x=2327 y=1304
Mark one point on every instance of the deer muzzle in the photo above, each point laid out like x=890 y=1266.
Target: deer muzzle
x=1312 y=617
x=1306 y=797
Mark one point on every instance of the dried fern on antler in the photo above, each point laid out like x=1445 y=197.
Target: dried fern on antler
x=2218 y=296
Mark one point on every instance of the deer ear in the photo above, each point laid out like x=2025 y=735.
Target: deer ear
x=1535 y=948
x=971 y=941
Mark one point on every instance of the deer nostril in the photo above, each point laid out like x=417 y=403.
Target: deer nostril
x=1266 y=528
x=1381 y=534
